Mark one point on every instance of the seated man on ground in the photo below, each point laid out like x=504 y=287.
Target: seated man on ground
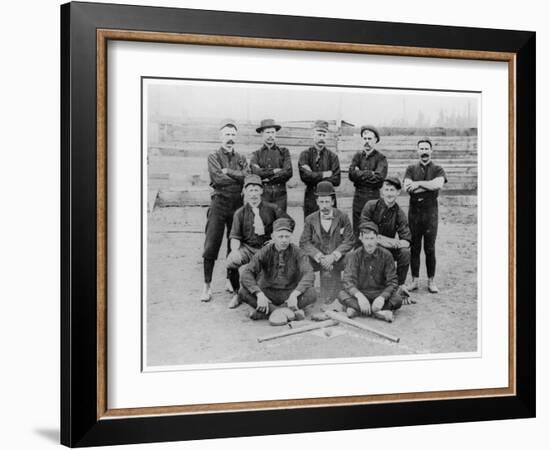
x=370 y=280
x=392 y=221
x=278 y=275
x=251 y=229
x=326 y=239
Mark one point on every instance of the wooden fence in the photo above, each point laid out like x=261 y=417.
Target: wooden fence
x=177 y=152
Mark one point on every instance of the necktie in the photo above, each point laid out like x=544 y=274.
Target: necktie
x=259 y=228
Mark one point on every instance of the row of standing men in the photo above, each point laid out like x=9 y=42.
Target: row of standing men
x=250 y=226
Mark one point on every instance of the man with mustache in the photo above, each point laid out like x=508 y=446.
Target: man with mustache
x=252 y=228
x=370 y=281
x=392 y=221
x=316 y=164
x=272 y=163
x=423 y=182
x=326 y=239
x=227 y=170
x=367 y=172
x=278 y=276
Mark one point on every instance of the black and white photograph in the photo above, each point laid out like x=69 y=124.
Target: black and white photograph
x=297 y=223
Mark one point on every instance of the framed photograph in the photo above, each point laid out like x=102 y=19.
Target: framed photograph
x=279 y=224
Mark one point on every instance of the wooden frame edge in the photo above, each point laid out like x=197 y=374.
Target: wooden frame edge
x=104 y=35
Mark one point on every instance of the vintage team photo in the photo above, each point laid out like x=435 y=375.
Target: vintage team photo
x=300 y=223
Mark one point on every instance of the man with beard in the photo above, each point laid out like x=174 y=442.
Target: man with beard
x=272 y=163
x=392 y=221
x=227 y=170
x=316 y=164
x=370 y=281
x=278 y=276
x=367 y=171
x=423 y=182
x=252 y=228
x=326 y=239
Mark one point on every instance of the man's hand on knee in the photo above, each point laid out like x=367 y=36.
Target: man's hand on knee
x=378 y=304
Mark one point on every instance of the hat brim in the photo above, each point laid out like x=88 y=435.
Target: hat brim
x=393 y=183
x=260 y=129
x=254 y=183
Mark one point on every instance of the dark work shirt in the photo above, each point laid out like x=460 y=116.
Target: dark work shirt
x=288 y=269
x=389 y=220
x=230 y=183
x=421 y=172
x=243 y=223
x=318 y=162
x=368 y=172
x=271 y=158
x=373 y=274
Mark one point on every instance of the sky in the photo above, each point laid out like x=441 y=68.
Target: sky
x=185 y=100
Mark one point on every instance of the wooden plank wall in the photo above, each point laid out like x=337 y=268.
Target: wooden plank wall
x=177 y=155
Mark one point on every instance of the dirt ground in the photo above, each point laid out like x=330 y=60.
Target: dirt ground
x=182 y=330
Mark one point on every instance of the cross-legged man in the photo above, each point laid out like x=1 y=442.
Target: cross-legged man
x=394 y=233
x=278 y=275
x=370 y=281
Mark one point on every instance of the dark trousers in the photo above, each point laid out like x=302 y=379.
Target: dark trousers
x=330 y=281
x=349 y=301
x=310 y=201
x=278 y=296
x=361 y=197
x=423 y=220
x=275 y=194
x=219 y=218
x=402 y=256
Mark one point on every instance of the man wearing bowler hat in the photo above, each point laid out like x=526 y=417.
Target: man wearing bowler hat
x=272 y=164
x=394 y=233
x=367 y=172
x=327 y=237
x=227 y=170
x=423 y=181
x=252 y=228
x=370 y=281
x=278 y=275
x=317 y=164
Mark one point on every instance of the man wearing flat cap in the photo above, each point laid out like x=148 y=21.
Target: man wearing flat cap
x=317 y=164
x=367 y=172
x=278 y=275
x=370 y=281
x=227 y=170
x=272 y=164
x=394 y=233
x=423 y=181
x=252 y=228
x=327 y=237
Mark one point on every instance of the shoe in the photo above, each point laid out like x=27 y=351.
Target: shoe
x=257 y=315
x=432 y=287
x=319 y=317
x=228 y=287
x=206 y=294
x=234 y=302
x=384 y=315
x=414 y=285
x=299 y=314
x=351 y=313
